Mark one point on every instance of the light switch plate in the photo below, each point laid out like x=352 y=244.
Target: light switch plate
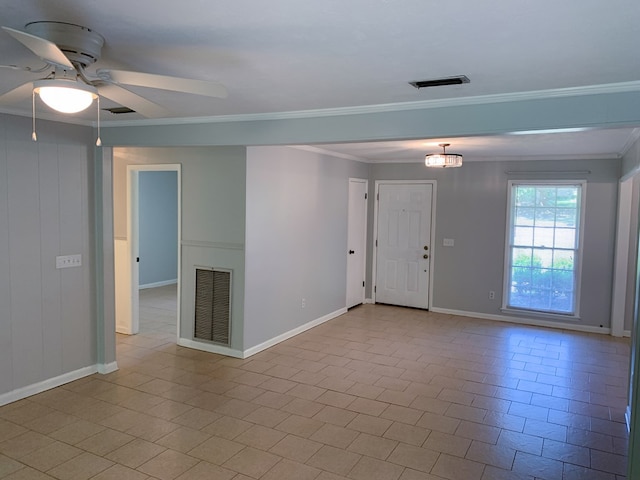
x=68 y=261
x=447 y=242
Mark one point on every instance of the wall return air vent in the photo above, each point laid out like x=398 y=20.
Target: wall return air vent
x=213 y=305
x=440 y=82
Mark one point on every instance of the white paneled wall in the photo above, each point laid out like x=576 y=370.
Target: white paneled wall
x=47 y=319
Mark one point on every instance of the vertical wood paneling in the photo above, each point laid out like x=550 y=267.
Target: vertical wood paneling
x=25 y=263
x=47 y=325
x=50 y=248
x=76 y=326
x=6 y=351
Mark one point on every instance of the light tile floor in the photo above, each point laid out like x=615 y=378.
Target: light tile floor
x=378 y=393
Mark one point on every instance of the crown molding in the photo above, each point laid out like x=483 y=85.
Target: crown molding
x=622 y=87
x=633 y=138
x=389 y=107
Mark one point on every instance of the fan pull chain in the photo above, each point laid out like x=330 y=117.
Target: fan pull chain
x=34 y=137
x=98 y=141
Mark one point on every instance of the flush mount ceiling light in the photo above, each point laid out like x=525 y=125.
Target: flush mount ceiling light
x=65 y=96
x=444 y=159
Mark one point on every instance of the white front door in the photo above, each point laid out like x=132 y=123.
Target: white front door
x=356 y=241
x=403 y=256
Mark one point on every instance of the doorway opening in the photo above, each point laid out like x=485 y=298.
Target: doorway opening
x=147 y=259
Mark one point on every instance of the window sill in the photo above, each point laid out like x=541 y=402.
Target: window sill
x=543 y=315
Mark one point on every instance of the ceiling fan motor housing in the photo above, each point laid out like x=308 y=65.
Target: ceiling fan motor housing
x=80 y=44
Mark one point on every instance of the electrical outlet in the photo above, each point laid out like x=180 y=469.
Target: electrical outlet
x=492 y=295
x=303 y=303
x=68 y=261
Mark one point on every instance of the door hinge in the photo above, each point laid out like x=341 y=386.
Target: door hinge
x=363 y=284
x=375 y=289
x=377 y=196
x=376 y=242
x=365 y=196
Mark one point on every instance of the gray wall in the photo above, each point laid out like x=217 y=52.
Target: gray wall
x=158 y=226
x=47 y=316
x=296 y=240
x=213 y=217
x=471 y=208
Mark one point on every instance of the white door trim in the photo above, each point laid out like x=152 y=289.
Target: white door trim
x=621 y=260
x=130 y=324
x=364 y=243
x=433 y=184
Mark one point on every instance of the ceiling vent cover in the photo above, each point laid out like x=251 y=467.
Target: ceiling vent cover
x=440 y=82
x=213 y=305
x=119 y=110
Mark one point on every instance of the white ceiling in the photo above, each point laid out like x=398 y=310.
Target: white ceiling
x=293 y=55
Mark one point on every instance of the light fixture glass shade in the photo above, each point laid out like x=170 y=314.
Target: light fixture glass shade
x=443 y=159
x=66 y=96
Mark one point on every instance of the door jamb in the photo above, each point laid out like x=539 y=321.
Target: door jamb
x=374 y=259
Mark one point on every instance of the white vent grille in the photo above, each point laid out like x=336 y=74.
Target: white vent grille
x=213 y=305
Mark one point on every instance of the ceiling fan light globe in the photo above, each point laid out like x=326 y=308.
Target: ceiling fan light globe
x=65 y=96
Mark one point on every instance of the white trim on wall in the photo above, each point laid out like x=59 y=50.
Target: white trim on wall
x=231 y=352
x=163 y=283
x=292 y=333
x=524 y=321
x=39 y=387
x=621 y=258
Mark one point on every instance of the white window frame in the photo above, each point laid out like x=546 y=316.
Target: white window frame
x=582 y=184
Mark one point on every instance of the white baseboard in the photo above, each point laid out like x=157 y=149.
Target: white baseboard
x=368 y=301
x=231 y=352
x=523 y=321
x=105 y=368
x=164 y=283
x=123 y=330
x=292 y=333
x=210 y=347
x=626 y=333
x=627 y=417
x=24 y=392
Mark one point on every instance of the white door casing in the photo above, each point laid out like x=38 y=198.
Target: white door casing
x=356 y=241
x=403 y=243
x=126 y=254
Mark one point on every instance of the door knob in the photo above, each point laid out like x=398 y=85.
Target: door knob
x=425 y=256
x=426 y=248
x=351 y=252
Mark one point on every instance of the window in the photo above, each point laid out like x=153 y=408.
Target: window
x=543 y=246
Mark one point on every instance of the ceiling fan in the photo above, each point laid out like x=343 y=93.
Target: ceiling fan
x=67 y=50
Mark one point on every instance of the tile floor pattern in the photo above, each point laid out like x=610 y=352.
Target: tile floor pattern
x=379 y=393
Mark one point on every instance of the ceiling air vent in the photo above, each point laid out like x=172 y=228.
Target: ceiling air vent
x=119 y=110
x=440 y=82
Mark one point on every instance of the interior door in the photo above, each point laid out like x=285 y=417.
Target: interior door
x=403 y=256
x=356 y=241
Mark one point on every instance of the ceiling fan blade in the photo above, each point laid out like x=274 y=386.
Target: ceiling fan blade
x=46 y=50
x=129 y=99
x=164 y=82
x=19 y=93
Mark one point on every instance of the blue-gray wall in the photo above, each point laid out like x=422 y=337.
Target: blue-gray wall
x=296 y=240
x=471 y=208
x=158 y=227
x=47 y=316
